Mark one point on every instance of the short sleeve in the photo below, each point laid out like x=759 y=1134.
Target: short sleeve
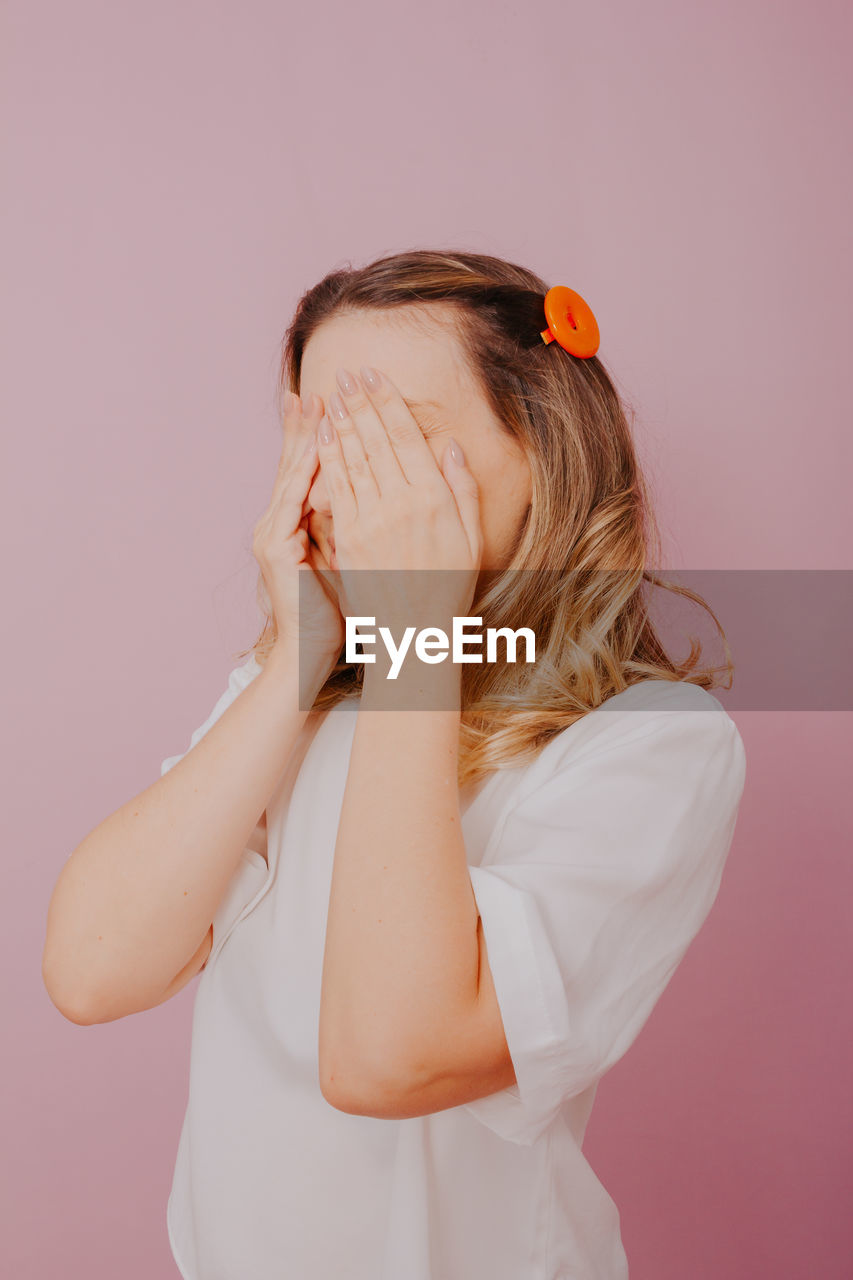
x=599 y=879
x=238 y=680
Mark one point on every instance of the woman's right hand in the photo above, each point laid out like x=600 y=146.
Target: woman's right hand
x=284 y=551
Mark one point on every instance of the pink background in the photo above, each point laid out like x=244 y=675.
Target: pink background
x=175 y=175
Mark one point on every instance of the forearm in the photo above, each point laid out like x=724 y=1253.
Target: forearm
x=136 y=897
x=401 y=957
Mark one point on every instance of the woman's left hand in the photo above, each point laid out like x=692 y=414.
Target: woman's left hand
x=394 y=507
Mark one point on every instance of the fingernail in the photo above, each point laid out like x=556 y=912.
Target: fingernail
x=337 y=406
x=324 y=430
x=311 y=444
x=456 y=452
x=346 y=382
x=371 y=377
x=307 y=404
x=291 y=402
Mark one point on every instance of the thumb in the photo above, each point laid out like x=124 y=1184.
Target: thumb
x=465 y=490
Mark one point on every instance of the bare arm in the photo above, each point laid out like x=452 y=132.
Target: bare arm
x=130 y=916
x=257 y=841
x=401 y=967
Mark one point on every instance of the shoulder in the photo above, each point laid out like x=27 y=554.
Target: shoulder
x=679 y=725
x=645 y=787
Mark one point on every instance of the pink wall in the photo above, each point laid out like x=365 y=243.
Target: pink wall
x=175 y=175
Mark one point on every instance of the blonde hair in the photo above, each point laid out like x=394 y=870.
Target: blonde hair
x=589 y=533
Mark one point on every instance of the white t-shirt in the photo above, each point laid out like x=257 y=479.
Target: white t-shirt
x=593 y=869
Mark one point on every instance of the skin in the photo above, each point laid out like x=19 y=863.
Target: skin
x=122 y=924
x=424 y=364
x=409 y=1021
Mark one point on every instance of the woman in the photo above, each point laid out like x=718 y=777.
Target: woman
x=429 y=922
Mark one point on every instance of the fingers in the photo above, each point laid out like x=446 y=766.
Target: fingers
x=391 y=430
x=300 y=423
x=290 y=501
x=295 y=473
x=336 y=472
x=311 y=406
x=349 y=442
x=466 y=492
x=357 y=419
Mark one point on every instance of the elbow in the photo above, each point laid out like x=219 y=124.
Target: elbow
x=352 y=1082
x=80 y=1002
x=336 y=1083
x=380 y=1101
x=338 y=1092
x=71 y=1001
x=61 y=969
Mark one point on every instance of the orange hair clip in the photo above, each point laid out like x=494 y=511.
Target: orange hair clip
x=570 y=322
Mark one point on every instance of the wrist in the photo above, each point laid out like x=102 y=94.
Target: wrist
x=305 y=672
x=417 y=686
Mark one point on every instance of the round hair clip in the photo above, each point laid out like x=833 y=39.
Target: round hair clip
x=570 y=322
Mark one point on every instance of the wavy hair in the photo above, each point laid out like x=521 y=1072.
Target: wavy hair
x=589 y=534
